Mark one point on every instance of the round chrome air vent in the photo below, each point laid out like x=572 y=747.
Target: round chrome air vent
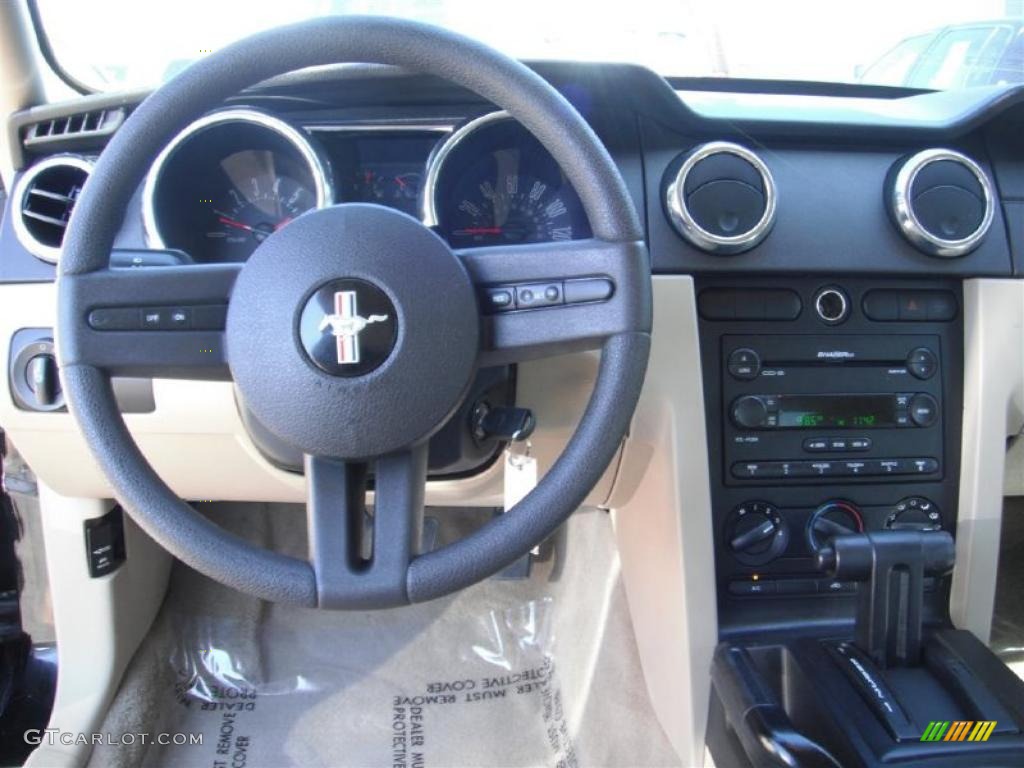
x=721 y=198
x=941 y=201
x=43 y=199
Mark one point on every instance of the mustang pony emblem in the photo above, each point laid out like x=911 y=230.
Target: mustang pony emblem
x=346 y=325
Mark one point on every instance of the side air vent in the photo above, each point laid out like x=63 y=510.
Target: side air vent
x=42 y=202
x=721 y=197
x=74 y=131
x=941 y=201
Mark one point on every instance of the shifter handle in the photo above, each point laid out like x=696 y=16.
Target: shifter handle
x=852 y=558
x=889 y=606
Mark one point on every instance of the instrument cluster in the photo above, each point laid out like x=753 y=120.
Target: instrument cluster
x=234 y=177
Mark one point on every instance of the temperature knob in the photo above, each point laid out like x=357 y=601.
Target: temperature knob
x=914 y=513
x=756 y=533
x=833 y=518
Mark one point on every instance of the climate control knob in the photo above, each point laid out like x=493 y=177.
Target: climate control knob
x=914 y=513
x=756 y=533
x=749 y=412
x=833 y=518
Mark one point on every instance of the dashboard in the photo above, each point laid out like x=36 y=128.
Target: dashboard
x=236 y=176
x=830 y=238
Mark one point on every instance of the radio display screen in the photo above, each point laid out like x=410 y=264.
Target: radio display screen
x=837 y=411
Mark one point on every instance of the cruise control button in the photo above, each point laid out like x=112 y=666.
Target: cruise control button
x=209 y=317
x=588 y=289
x=178 y=319
x=114 y=319
x=153 y=318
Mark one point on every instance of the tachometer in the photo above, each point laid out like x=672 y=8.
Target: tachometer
x=258 y=202
x=229 y=181
x=493 y=183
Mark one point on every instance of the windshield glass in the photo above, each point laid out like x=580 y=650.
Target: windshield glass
x=935 y=44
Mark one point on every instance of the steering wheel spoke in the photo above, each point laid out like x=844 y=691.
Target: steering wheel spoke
x=150 y=321
x=546 y=299
x=361 y=560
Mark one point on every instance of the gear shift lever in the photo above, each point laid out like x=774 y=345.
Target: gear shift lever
x=894 y=564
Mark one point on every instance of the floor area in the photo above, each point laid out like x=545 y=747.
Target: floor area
x=531 y=672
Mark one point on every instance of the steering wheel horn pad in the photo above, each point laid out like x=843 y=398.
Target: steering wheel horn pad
x=276 y=311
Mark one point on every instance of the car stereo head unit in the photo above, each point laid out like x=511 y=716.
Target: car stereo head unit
x=793 y=405
x=834 y=411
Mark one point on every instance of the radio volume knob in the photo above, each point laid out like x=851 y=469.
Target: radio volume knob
x=750 y=412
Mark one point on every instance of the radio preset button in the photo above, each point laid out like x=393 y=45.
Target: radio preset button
x=922 y=466
x=854 y=468
x=760 y=470
x=744 y=364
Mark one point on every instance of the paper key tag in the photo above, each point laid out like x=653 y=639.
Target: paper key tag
x=520 y=477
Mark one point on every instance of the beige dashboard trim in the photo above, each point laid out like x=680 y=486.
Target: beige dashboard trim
x=662 y=511
x=198 y=444
x=99 y=622
x=993 y=410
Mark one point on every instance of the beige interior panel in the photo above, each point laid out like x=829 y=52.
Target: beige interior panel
x=662 y=511
x=197 y=443
x=993 y=398
x=99 y=621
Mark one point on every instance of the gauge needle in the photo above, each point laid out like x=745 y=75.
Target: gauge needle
x=477 y=231
x=281 y=223
x=235 y=224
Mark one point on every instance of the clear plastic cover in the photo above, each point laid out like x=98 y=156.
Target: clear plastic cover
x=533 y=672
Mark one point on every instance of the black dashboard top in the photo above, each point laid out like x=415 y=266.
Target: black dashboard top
x=829 y=150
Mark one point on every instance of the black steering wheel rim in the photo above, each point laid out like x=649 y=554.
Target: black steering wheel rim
x=620 y=328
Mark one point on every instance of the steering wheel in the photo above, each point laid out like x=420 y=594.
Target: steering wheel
x=354 y=332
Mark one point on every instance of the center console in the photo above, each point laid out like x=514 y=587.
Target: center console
x=834 y=418
x=832 y=406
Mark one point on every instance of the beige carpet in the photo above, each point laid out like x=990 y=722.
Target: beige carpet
x=541 y=672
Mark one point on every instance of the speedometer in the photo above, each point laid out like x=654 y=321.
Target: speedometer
x=493 y=183
x=513 y=208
